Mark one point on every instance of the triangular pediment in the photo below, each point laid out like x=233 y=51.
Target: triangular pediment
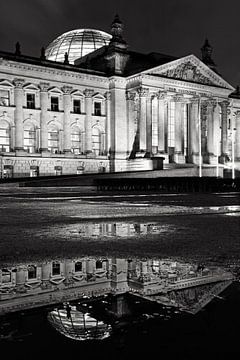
x=189 y=69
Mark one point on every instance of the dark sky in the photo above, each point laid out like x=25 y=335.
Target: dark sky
x=175 y=27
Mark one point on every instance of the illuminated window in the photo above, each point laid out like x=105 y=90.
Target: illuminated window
x=55 y=268
x=31 y=101
x=32 y=272
x=185 y=128
x=53 y=140
x=171 y=125
x=54 y=103
x=77 y=106
x=29 y=142
x=96 y=140
x=4 y=98
x=76 y=141
x=4 y=136
x=97 y=108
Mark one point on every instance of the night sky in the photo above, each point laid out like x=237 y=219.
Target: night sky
x=174 y=27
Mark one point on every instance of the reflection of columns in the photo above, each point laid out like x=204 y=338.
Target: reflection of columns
x=149 y=125
x=179 y=133
x=44 y=116
x=108 y=122
x=224 y=143
x=237 y=138
x=161 y=121
x=194 y=131
x=130 y=120
x=66 y=122
x=88 y=120
x=143 y=119
x=18 y=114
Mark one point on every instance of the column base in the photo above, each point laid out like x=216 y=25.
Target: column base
x=196 y=159
x=179 y=158
x=223 y=158
x=212 y=159
x=43 y=150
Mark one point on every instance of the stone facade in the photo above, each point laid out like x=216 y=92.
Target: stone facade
x=68 y=119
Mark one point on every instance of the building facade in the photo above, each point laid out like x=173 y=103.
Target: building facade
x=113 y=109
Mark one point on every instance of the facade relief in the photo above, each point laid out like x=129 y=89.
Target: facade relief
x=189 y=72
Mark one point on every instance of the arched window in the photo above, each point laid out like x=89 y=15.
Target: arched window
x=76 y=140
x=96 y=140
x=29 y=141
x=53 y=140
x=4 y=136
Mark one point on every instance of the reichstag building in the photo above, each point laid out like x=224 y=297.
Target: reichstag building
x=89 y=104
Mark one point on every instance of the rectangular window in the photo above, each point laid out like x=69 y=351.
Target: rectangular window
x=4 y=98
x=171 y=125
x=77 y=106
x=32 y=272
x=54 y=103
x=55 y=268
x=31 y=101
x=78 y=266
x=97 y=108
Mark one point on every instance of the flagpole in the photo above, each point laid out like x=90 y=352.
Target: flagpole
x=200 y=137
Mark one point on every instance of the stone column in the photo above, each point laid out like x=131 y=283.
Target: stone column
x=161 y=122
x=237 y=136
x=143 y=92
x=224 y=143
x=210 y=105
x=149 y=126
x=108 y=122
x=18 y=113
x=88 y=120
x=194 y=131
x=179 y=157
x=67 y=119
x=130 y=97
x=44 y=116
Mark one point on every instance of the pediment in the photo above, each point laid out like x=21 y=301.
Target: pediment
x=190 y=69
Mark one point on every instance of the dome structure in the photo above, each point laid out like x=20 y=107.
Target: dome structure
x=77 y=325
x=76 y=43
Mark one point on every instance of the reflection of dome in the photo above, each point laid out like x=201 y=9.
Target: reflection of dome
x=77 y=325
x=76 y=43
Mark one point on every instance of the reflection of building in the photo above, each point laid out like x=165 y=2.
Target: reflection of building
x=56 y=281
x=113 y=109
x=78 y=325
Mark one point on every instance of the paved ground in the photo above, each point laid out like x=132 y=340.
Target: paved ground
x=40 y=223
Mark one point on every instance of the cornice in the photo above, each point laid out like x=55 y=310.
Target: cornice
x=51 y=71
x=208 y=89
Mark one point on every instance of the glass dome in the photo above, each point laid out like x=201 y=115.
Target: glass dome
x=77 y=325
x=76 y=43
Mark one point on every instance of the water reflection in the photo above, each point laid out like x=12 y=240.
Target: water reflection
x=119 y=229
x=77 y=325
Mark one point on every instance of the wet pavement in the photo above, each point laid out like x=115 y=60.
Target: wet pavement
x=130 y=273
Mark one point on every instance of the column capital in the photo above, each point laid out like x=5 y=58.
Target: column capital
x=67 y=90
x=161 y=95
x=195 y=100
x=107 y=95
x=210 y=103
x=88 y=93
x=143 y=92
x=18 y=83
x=44 y=86
x=236 y=113
x=224 y=104
x=178 y=98
x=130 y=95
